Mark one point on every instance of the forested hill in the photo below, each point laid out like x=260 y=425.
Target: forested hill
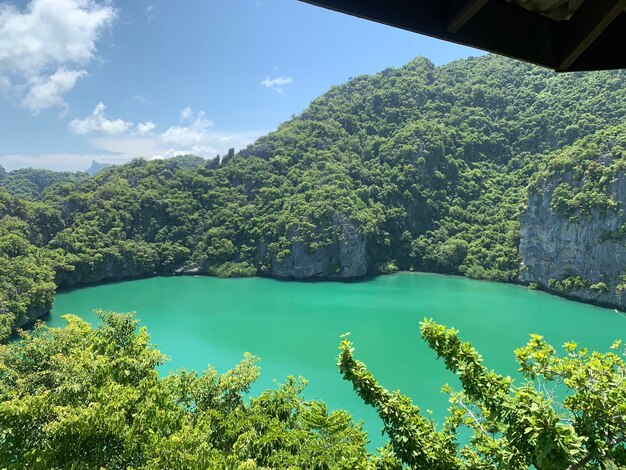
x=419 y=167
x=29 y=183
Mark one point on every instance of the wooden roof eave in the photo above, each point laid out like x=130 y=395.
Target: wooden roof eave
x=592 y=39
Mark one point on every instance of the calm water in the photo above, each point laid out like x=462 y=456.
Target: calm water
x=295 y=327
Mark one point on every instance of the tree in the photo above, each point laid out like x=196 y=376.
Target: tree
x=79 y=397
x=513 y=426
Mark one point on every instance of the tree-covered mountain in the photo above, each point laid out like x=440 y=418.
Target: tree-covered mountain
x=419 y=167
x=29 y=183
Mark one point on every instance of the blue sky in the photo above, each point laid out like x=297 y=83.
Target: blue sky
x=83 y=80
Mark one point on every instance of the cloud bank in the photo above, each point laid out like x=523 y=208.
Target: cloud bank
x=119 y=141
x=45 y=48
x=194 y=133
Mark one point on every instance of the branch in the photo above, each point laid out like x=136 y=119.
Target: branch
x=474 y=417
x=590 y=457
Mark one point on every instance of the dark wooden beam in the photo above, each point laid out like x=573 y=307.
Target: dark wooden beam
x=467 y=12
x=587 y=25
x=499 y=26
x=592 y=39
x=509 y=30
x=603 y=53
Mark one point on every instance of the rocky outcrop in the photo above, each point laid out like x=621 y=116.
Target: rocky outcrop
x=96 y=167
x=345 y=257
x=581 y=255
x=108 y=268
x=32 y=317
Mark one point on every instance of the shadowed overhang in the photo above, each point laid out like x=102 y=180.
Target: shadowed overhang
x=564 y=35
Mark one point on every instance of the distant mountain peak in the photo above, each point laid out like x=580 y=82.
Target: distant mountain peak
x=96 y=167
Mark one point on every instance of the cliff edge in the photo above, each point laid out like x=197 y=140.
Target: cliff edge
x=573 y=231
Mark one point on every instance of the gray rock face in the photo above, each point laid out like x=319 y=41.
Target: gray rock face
x=109 y=269
x=344 y=258
x=96 y=167
x=33 y=316
x=555 y=247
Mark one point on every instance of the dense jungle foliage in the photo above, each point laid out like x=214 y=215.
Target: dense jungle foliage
x=79 y=397
x=429 y=164
x=569 y=412
x=585 y=171
x=29 y=183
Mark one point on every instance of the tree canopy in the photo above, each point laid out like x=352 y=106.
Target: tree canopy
x=79 y=397
x=84 y=397
x=569 y=413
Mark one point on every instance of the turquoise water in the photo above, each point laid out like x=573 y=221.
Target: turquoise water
x=294 y=327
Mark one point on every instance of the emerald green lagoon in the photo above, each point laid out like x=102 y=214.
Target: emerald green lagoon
x=294 y=327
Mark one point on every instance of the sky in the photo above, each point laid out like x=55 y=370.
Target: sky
x=84 y=80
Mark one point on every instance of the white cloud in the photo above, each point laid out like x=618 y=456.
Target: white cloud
x=46 y=92
x=98 y=122
x=145 y=127
x=186 y=114
x=140 y=99
x=45 y=47
x=277 y=84
x=150 y=13
x=129 y=145
x=194 y=134
x=5 y=85
x=209 y=145
x=213 y=143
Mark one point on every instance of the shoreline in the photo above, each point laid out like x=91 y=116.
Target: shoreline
x=358 y=279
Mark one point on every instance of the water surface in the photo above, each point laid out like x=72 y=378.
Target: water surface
x=294 y=327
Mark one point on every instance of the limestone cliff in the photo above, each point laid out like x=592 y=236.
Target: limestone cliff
x=32 y=316
x=106 y=268
x=573 y=232
x=344 y=257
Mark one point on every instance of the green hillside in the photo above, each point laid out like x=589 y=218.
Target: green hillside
x=419 y=167
x=29 y=183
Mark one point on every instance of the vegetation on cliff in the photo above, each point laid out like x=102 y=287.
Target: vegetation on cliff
x=574 y=226
x=586 y=170
x=26 y=275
